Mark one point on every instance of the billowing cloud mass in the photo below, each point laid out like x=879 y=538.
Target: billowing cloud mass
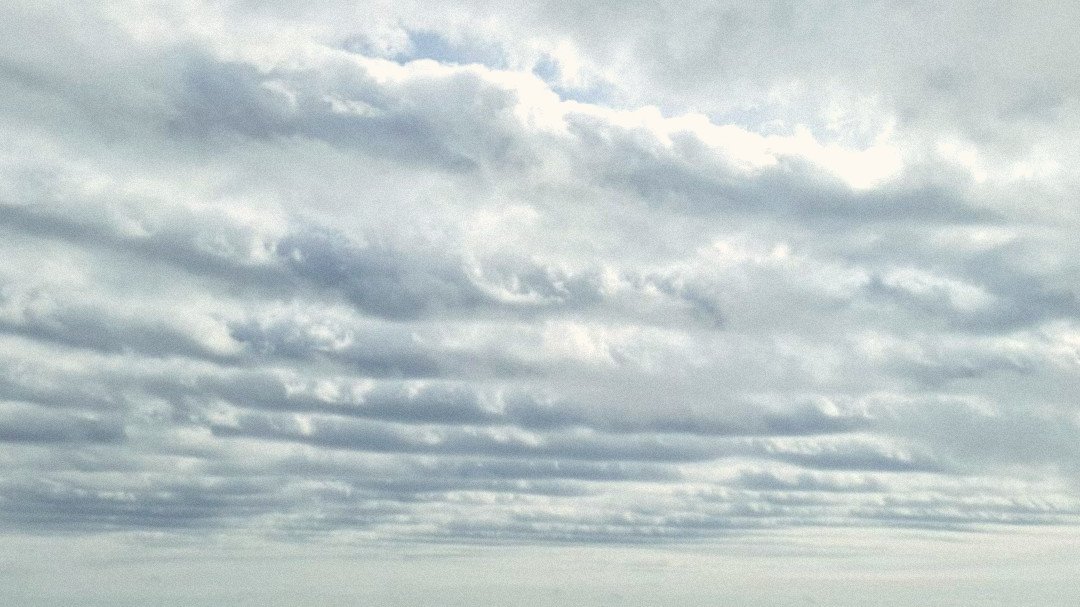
x=793 y=281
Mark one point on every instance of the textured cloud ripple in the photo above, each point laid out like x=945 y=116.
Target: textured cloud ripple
x=397 y=276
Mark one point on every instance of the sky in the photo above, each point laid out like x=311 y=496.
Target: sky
x=399 y=303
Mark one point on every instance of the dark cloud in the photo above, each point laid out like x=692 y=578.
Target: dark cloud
x=346 y=107
x=376 y=279
x=167 y=505
x=391 y=438
x=89 y=328
x=21 y=423
x=382 y=352
x=1018 y=303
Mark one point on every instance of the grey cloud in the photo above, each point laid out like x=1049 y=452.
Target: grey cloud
x=16 y=383
x=176 y=241
x=724 y=420
x=559 y=469
x=435 y=403
x=381 y=437
x=241 y=99
x=854 y=454
x=90 y=328
x=380 y=352
x=942 y=70
x=376 y=279
x=457 y=403
x=1022 y=301
x=407 y=285
x=806 y=481
x=951 y=516
x=983 y=438
x=23 y=423
x=372 y=278
x=411 y=473
x=165 y=504
x=253 y=285
x=350 y=109
x=805 y=420
x=689 y=178
x=573 y=532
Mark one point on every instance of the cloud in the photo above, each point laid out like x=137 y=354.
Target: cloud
x=22 y=423
x=585 y=275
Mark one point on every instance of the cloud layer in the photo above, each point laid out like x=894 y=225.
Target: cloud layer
x=581 y=275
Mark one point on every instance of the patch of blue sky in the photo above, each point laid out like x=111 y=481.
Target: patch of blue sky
x=596 y=93
x=425 y=44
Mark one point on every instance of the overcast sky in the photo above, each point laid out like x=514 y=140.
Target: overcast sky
x=398 y=303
